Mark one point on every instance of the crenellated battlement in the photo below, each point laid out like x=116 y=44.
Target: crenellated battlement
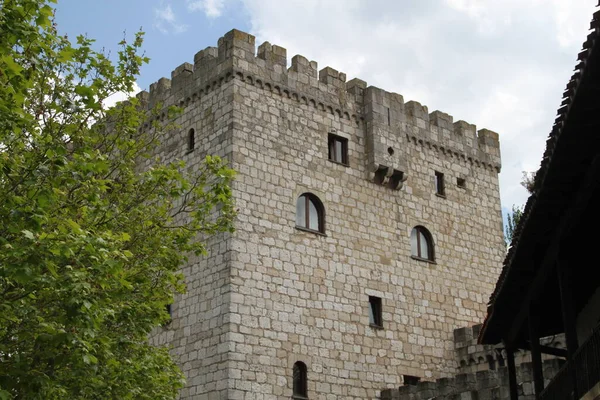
x=389 y=120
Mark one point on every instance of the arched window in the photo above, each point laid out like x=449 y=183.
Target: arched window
x=421 y=244
x=300 y=390
x=310 y=213
x=191 y=140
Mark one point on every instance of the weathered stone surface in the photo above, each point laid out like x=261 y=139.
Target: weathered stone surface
x=269 y=294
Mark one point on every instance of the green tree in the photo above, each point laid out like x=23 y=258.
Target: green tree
x=512 y=222
x=513 y=217
x=91 y=244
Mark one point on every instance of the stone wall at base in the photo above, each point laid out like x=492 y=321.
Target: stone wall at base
x=482 y=374
x=483 y=385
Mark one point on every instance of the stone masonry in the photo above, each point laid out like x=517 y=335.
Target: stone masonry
x=482 y=373
x=271 y=294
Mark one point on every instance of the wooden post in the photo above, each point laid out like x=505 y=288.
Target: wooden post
x=512 y=373
x=536 y=354
x=568 y=317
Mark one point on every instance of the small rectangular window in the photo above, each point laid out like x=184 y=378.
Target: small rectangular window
x=461 y=183
x=439 y=184
x=338 y=149
x=375 y=314
x=410 y=380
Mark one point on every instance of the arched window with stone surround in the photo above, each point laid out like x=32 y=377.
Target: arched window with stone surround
x=300 y=381
x=421 y=244
x=310 y=213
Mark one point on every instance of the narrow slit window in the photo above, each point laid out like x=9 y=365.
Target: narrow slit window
x=191 y=140
x=338 y=149
x=169 y=310
x=440 y=190
x=375 y=312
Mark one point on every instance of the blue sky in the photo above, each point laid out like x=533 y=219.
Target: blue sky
x=500 y=64
x=168 y=43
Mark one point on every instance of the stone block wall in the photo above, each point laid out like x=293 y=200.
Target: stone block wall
x=199 y=331
x=472 y=357
x=271 y=294
x=482 y=385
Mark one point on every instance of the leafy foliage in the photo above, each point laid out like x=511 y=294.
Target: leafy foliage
x=91 y=243
x=512 y=222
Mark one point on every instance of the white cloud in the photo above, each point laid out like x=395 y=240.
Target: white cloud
x=211 y=8
x=500 y=64
x=567 y=15
x=115 y=98
x=166 y=21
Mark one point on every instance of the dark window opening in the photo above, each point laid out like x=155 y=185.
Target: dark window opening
x=410 y=380
x=491 y=363
x=191 y=140
x=500 y=358
x=310 y=213
x=393 y=181
x=375 y=312
x=421 y=244
x=338 y=149
x=461 y=182
x=169 y=310
x=300 y=381
x=440 y=190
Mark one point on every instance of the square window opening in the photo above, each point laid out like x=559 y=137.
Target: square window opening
x=338 y=149
x=410 y=380
x=375 y=312
x=461 y=183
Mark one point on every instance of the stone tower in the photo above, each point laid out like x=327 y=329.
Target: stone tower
x=368 y=230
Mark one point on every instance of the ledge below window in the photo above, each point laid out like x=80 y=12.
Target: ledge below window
x=443 y=196
x=423 y=259
x=339 y=163
x=377 y=327
x=303 y=229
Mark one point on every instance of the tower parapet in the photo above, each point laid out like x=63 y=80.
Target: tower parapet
x=389 y=120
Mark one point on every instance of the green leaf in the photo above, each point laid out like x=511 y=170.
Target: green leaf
x=28 y=234
x=10 y=65
x=52 y=268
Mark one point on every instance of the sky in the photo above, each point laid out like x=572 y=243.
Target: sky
x=499 y=64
